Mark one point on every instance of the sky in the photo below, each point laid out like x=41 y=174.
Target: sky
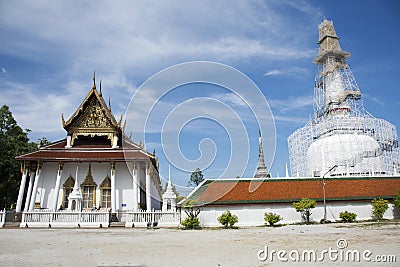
x=50 y=49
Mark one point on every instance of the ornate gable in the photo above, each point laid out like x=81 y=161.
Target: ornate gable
x=93 y=118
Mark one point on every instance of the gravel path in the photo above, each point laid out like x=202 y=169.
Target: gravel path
x=171 y=247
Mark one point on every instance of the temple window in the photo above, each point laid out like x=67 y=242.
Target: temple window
x=88 y=197
x=88 y=190
x=105 y=189
x=68 y=186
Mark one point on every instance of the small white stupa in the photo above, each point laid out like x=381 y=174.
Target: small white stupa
x=75 y=197
x=169 y=197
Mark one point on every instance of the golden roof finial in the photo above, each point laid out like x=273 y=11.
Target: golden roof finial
x=123 y=127
x=109 y=103
x=100 y=88
x=94 y=80
x=120 y=120
x=62 y=119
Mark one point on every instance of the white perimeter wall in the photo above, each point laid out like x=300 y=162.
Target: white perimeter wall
x=123 y=183
x=253 y=214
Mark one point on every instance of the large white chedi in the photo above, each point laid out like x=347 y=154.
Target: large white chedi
x=342 y=133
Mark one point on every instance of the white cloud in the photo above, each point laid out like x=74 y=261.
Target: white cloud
x=128 y=40
x=3 y=71
x=229 y=98
x=291 y=119
x=273 y=73
x=138 y=34
x=291 y=103
x=375 y=99
x=293 y=71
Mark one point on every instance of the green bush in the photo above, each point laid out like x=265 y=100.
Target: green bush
x=347 y=216
x=227 y=219
x=379 y=206
x=396 y=200
x=192 y=211
x=304 y=206
x=272 y=218
x=191 y=223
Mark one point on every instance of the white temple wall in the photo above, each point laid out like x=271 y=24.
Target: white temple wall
x=124 y=187
x=253 y=214
x=123 y=183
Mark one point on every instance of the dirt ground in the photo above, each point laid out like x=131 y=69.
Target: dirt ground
x=207 y=247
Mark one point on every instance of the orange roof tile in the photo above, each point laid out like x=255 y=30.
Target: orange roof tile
x=236 y=191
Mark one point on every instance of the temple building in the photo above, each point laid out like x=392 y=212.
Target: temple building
x=95 y=167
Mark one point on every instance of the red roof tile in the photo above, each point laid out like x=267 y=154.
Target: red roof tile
x=57 y=152
x=288 y=190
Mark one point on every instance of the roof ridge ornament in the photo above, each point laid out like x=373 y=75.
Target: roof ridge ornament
x=101 y=94
x=94 y=80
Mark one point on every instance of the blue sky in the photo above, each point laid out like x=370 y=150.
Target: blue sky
x=49 y=50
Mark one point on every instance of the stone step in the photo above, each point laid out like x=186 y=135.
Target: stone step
x=11 y=225
x=117 y=224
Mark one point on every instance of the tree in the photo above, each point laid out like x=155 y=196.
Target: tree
x=192 y=211
x=14 y=141
x=196 y=178
x=379 y=206
x=396 y=200
x=227 y=219
x=43 y=142
x=304 y=206
x=272 y=218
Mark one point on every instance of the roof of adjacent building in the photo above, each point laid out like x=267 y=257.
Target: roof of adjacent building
x=58 y=152
x=242 y=191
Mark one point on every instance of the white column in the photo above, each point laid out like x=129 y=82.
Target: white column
x=113 y=204
x=115 y=142
x=135 y=186
x=35 y=186
x=28 y=195
x=148 y=187
x=57 y=188
x=68 y=142
x=21 y=189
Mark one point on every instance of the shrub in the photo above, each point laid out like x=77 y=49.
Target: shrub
x=379 y=206
x=227 y=219
x=272 y=218
x=347 y=216
x=396 y=200
x=191 y=223
x=304 y=206
x=192 y=211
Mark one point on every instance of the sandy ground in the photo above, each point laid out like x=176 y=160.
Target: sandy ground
x=207 y=247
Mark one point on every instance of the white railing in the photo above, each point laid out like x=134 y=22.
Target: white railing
x=65 y=219
x=142 y=217
x=2 y=217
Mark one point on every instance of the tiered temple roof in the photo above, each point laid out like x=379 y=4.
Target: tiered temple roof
x=93 y=134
